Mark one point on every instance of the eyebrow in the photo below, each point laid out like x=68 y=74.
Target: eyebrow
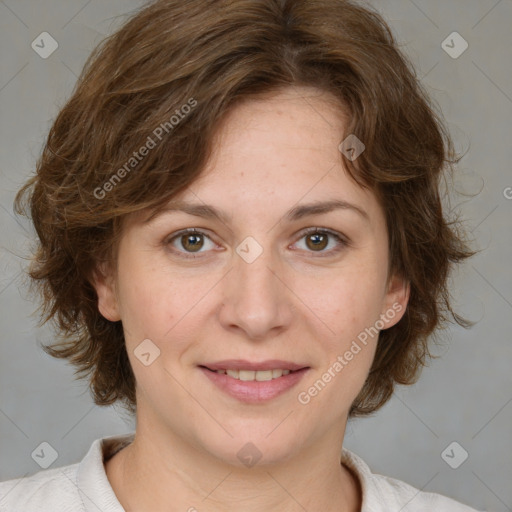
x=210 y=212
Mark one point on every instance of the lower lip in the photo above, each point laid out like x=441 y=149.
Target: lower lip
x=254 y=391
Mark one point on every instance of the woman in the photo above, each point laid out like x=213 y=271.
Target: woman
x=242 y=240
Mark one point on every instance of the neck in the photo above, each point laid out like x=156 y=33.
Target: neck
x=159 y=470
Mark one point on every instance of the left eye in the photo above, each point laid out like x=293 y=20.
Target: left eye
x=192 y=241
x=318 y=239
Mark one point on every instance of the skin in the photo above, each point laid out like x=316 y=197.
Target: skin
x=295 y=302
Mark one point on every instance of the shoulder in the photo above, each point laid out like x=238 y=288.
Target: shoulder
x=54 y=488
x=382 y=493
x=80 y=487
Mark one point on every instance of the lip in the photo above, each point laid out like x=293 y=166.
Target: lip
x=242 y=364
x=254 y=392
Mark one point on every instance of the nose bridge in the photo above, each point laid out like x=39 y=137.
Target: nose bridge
x=256 y=299
x=252 y=266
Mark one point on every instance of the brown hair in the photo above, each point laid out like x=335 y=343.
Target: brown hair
x=210 y=54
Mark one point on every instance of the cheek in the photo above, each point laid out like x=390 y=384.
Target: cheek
x=146 y=299
x=161 y=304
x=347 y=301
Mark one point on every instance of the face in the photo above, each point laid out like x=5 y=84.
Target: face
x=269 y=284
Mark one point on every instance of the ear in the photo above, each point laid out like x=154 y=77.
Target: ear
x=104 y=283
x=395 y=302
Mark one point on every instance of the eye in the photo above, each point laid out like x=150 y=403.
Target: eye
x=192 y=241
x=317 y=239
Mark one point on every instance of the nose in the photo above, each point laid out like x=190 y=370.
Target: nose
x=256 y=298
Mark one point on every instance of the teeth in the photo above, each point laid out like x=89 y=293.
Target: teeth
x=251 y=375
x=232 y=373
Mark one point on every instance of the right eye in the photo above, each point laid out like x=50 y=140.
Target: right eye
x=191 y=240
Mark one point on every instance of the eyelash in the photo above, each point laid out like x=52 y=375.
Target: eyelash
x=343 y=241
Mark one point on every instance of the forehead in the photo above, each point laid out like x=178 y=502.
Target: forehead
x=274 y=153
x=282 y=147
x=304 y=117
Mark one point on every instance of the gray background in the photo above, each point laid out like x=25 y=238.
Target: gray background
x=465 y=396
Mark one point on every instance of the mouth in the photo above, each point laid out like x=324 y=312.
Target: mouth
x=252 y=375
x=254 y=382
x=242 y=369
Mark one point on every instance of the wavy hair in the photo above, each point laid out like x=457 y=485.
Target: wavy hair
x=135 y=86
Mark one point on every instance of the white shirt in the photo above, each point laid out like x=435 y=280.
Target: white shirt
x=84 y=487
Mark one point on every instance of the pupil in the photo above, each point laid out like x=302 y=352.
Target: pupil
x=317 y=240
x=193 y=241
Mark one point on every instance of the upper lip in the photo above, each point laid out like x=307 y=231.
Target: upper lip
x=242 y=364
